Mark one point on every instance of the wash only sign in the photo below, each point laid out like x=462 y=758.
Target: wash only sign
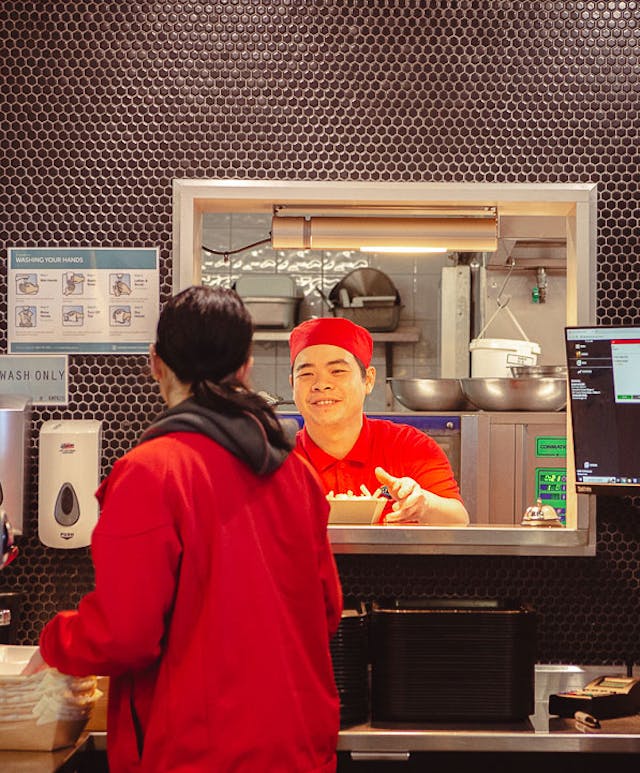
x=41 y=377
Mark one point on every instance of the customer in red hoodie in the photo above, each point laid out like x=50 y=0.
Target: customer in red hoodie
x=216 y=592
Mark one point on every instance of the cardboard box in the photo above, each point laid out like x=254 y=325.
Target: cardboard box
x=98 y=716
x=29 y=736
x=356 y=510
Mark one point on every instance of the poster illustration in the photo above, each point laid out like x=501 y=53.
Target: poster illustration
x=82 y=300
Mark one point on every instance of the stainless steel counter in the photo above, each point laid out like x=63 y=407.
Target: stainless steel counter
x=476 y=539
x=540 y=733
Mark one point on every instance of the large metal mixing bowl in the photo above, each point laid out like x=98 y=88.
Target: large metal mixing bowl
x=428 y=394
x=526 y=371
x=516 y=394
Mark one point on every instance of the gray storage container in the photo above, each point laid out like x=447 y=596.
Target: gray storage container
x=273 y=300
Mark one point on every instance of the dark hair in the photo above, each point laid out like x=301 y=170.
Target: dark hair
x=204 y=335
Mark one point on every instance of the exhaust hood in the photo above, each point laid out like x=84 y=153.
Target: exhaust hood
x=531 y=241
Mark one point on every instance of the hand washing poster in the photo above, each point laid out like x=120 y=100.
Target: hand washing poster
x=82 y=300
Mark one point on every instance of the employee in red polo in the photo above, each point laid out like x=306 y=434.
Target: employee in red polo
x=331 y=375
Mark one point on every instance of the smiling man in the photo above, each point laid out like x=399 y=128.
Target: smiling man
x=331 y=375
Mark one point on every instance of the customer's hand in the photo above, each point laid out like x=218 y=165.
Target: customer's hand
x=37 y=663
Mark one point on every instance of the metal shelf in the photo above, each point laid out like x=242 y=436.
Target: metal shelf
x=402 y=335
x=398 y=336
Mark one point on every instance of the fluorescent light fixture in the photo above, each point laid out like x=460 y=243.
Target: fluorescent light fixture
x=450 y=233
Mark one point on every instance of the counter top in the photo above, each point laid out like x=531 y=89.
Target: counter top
x=540 y=733
x=482 y=539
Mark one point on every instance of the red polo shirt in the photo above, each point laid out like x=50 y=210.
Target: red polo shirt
x=400 y=449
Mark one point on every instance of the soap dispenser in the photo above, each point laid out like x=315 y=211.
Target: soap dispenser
x=68 y=476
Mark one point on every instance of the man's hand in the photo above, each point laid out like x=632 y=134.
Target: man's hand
x=417 y=505
x=412 y=502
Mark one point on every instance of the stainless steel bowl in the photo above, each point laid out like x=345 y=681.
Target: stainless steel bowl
x=527 y=371
x=428 y=394
x=516 y=394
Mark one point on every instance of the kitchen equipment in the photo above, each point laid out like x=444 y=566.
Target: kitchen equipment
x=515 y=458
x=15 y=415
x=367 y=297
x=542 y=516
x=516 y=394
x=537 y=371
x=428 y=394
x=494 y=357
x=350 y=657
x=273 y=300
x=451 y=660
x=603 y=698
x=10 y=608
x=68 y=476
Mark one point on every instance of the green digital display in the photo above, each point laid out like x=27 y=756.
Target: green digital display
x=551 y=446
x=551 y=489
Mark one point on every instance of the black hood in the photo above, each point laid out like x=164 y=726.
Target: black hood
x=242 y=435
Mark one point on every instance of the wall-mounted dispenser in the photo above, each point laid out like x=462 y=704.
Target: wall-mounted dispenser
x=68 y=473
x=15 y=422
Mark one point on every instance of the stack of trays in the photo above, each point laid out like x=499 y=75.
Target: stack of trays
x=451 y=660
x=349 y=652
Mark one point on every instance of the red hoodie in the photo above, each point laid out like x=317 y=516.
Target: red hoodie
x=215 y=597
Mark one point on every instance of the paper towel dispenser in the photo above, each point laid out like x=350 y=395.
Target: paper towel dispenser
x=68 y=474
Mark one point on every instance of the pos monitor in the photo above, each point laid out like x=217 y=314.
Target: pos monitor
x=604 y=393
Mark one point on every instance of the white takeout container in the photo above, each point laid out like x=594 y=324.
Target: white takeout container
x=13 y=658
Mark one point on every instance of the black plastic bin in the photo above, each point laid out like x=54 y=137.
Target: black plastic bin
x=452 y=660
x=349 y=652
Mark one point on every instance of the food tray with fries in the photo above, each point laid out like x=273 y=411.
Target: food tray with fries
x=364 y=508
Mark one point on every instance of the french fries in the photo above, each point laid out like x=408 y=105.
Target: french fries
x=366 y=494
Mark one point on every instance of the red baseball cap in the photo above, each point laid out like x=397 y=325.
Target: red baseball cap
x=335 y=331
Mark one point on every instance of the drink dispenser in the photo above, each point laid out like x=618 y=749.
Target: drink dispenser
x=68 y=473
x=15 y=415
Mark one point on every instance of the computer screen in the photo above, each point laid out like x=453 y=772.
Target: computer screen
x=604 y=392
